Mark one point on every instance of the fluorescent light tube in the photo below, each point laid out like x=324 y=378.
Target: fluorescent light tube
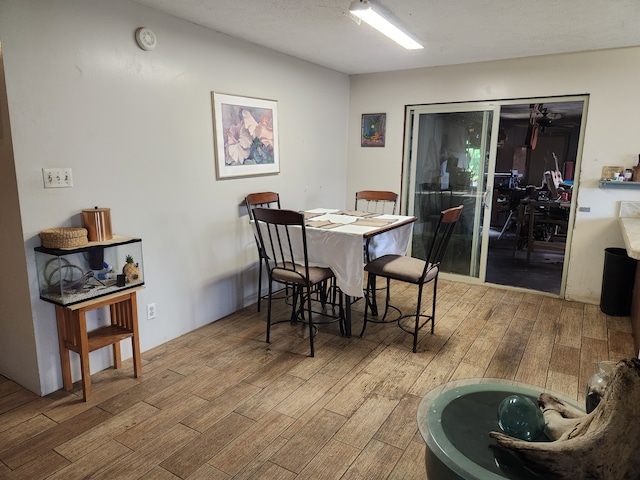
x=373 y=15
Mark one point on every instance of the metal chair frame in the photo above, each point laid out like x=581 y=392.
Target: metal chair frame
x=374 y=201
x=431 y=267
x=264 y=200
x=276 y=229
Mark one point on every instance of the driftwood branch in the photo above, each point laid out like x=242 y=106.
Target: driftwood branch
x=603 y=445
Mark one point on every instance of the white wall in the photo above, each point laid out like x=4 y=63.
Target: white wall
x=18 y=344
x=611 y=137
x=136 y=128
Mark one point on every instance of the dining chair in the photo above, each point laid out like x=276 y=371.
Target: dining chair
x=415 y=271
x=264 y=200
x=376 y=201
x=283 y=239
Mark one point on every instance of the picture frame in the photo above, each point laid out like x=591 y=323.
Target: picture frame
x=373 y=129
x=245 y=131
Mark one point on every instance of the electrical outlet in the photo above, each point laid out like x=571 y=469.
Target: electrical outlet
x=151 y=311
x=57 y=177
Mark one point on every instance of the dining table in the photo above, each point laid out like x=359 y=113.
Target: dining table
x=345 y=240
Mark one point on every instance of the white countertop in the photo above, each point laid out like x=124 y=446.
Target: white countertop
x=631 y=234
x=630 y=225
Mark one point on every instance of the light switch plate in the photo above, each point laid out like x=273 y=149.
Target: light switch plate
x=57 y=177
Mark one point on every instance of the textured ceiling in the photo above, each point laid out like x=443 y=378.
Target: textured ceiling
x=452 y=31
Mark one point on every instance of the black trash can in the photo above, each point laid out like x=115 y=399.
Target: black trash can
x=617 y=282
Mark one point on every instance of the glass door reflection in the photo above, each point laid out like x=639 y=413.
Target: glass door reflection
x=446 y=166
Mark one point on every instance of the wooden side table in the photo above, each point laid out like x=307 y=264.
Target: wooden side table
x=73 y=334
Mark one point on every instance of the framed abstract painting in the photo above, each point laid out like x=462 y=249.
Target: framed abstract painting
x=245 y=130
x=373 y=129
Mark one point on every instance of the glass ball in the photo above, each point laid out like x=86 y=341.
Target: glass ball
x=520 y=417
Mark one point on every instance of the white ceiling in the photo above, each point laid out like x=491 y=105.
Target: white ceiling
x=452 y=31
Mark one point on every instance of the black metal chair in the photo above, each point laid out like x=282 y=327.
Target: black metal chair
x=264 y=200
x=412 y=270
x=283 y=240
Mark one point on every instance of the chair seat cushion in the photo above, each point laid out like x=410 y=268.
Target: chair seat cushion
x=288 y=275
x=401 y=267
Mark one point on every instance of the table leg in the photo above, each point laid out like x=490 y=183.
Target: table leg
x=135 y=342
x=81 y=318
x=65 y=362
x=117 y=357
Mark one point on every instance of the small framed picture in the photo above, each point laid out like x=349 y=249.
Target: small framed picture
x=373 y=129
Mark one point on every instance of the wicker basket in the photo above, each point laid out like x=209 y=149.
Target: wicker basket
x=65 y=237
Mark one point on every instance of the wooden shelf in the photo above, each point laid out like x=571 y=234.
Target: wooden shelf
x=108 y=335
x=623 y=185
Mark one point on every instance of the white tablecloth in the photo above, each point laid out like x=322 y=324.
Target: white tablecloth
x=341 y=248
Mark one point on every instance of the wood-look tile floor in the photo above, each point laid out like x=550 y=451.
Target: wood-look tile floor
x=220 y=403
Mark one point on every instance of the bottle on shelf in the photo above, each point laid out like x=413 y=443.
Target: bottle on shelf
x=636 y=172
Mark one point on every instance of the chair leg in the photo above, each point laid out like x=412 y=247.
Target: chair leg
x=387 y=299
x=334 y=292
x=310 y=320
x=432 y=316
x=269 y=313
x=260 y=282
x=297 y=294
x=433 y=309
x=323 y=286
x=374 y=298
x=335 y=299
x=370 y=290
x=417 y=325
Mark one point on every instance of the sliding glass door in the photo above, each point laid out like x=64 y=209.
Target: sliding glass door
x=496 y=155
x=451 y=150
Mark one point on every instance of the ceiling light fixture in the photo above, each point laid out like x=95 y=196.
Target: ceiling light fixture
x=378 y=19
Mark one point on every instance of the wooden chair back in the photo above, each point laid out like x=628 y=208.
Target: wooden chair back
x=376 y=201
x=261 y=199
x=440 y=241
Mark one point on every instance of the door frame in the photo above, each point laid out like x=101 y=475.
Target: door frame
x=408 y=187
